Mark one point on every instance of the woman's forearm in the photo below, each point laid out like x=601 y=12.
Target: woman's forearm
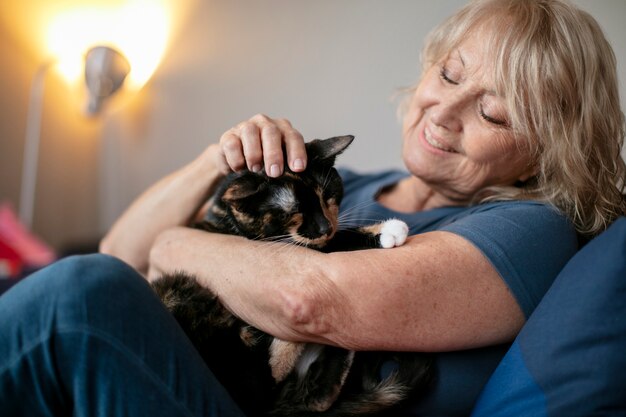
x=445 y=294
x=173 y=201
x=274 y=286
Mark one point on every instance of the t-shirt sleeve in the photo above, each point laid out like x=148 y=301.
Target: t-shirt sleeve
x=528 y=244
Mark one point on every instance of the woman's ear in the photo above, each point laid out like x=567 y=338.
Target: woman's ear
x=531 y=172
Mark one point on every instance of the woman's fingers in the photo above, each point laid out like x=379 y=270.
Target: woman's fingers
x=252 y=149
x=294 y=146
x=272 y=142
x=232 y=150
x=259 y=142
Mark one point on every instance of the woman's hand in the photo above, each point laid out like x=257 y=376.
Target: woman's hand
x=257 y=143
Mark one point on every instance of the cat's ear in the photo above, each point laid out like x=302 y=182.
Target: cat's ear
x=246 y=185
x=327 y=149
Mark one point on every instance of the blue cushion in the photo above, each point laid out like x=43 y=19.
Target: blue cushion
x=570 y=357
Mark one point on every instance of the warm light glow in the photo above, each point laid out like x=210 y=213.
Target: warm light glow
x=138 y=29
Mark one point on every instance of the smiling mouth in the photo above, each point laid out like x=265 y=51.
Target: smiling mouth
x=435 y=143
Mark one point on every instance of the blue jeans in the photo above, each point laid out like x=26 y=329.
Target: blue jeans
x=87 y=336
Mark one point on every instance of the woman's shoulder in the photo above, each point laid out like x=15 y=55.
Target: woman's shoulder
x=524 y=222
x=514 y=214
x=528 y=242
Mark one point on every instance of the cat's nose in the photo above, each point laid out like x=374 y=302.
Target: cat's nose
x=323 y=227
x=322 y=224
x=315 y=226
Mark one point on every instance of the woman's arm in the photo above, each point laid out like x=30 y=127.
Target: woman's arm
x=173 y=201
x=435 y=293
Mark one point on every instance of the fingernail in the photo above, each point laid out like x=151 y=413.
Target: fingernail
x=257 y=168
x=298 y=164
x=274 y=170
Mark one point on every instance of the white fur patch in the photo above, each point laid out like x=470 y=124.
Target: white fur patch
x=284 y=198
x=311 y=353
x=393 y=233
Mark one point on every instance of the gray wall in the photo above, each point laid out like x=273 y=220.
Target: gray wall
x=331 y=67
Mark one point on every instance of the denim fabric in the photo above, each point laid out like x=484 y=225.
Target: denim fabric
x=87 y=336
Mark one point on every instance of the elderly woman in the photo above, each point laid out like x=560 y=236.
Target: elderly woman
x=511 y=140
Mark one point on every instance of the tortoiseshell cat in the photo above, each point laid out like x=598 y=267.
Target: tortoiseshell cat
x=265 y=375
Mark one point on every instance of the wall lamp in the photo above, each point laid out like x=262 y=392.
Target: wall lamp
x=86 y=39
x=105 y=72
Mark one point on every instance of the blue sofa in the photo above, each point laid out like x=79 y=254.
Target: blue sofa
x=570 y=358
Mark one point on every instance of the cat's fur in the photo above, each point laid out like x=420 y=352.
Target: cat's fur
x=265 y=375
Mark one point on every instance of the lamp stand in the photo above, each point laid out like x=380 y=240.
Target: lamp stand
x=31 y=145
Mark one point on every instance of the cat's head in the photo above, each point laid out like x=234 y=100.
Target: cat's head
x=301 y=207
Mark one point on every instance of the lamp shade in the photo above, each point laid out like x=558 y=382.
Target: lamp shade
x=105 y=71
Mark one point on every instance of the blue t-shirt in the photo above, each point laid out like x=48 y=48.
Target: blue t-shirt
x=527 y=242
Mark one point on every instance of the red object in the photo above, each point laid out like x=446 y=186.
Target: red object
x=19 y=248
x=10 y=261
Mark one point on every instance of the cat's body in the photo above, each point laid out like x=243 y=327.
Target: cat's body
x=265 y=375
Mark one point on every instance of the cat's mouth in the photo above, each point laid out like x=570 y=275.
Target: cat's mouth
x=316 y=243
x=318 y=233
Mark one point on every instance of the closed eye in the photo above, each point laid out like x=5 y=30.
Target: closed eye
x=492 y=120
x=443 y=74
x=284 y=216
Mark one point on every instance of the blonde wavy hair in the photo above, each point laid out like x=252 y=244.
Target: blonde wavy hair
x=557 y=73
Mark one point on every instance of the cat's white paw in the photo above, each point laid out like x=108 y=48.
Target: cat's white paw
x=393 y=233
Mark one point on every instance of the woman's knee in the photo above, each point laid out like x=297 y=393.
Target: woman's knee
x=94 y=279
x=87 y=273
x=92 y=290
x=87 y=291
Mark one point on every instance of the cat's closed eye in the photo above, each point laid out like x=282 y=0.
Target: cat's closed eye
x=285 y=216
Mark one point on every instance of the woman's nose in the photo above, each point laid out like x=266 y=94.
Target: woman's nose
x=448 y=112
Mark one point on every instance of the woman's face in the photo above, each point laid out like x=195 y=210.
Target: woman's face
x=456 y=133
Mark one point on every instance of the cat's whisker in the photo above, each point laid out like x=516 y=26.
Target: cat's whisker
x=273 y=238
x=278 y=243
x=286 y=248
x=358 y=221
x=326 y=180
x=352 y=216
x=352 y=211
x=356 y=218
x=362 y=205
x=274 y=249
x=282 y=239
x=284 y=242
x=277 y=240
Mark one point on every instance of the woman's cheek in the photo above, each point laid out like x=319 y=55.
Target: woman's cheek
x=411 y=118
